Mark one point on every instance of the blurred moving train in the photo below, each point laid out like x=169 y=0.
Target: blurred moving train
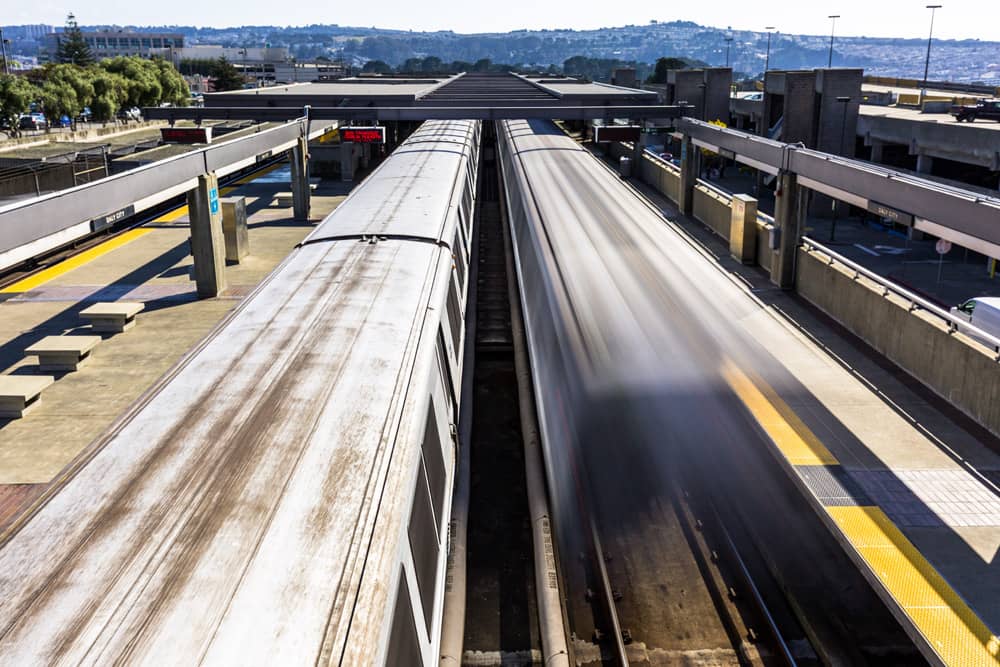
x=282 y=495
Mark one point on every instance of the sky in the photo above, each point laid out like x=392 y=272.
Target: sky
x=958 y=19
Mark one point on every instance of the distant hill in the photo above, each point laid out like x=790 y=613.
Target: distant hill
x=956 y=60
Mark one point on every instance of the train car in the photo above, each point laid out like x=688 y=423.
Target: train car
x=282 y=495
x=627 y=329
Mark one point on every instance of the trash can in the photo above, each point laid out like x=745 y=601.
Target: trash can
x=625 y=166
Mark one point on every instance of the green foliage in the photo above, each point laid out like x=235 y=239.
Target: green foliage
x=65 y=89
x=110 y=93
x=225 y=76
x=601 y=69
x=659 y=74
x=377 y=67
x=16 y=93
x=72 y=47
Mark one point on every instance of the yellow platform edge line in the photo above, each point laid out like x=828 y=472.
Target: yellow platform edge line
x=795 y=440
x=74 y=262
x=948 y=624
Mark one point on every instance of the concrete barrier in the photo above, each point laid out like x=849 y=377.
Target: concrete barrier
x=713 y=210
x=957 y=368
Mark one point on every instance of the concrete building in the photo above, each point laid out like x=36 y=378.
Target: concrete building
x=261 y=66
x=35 y=31
x=112 y=43
x=707 y=90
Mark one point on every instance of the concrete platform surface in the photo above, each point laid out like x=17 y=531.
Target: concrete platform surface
x=149 y=266
x=908 y=485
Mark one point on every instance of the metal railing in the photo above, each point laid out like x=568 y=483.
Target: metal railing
x=916 y=301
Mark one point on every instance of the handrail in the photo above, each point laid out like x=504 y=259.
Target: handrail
x=916 y=301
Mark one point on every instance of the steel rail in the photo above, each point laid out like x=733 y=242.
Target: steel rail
x=916 y=301
x=415 y=113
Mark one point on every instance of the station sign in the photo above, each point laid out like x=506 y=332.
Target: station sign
x=604 y=133
x=889 y=213
x=363 y=135
x=105 y=221
x=186 y=135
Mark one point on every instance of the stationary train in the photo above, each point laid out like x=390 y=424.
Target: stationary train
x=282 y=496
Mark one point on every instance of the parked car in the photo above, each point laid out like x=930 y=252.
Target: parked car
x=983 y=313
x=32 y=121
x=987 y=109
x=85 y=115
x=64 y=121
x=132 y=113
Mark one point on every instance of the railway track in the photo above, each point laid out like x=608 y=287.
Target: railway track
x=48 y=259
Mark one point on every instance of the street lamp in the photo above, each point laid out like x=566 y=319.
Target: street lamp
x=3 y=51
x=767 y=60
x=843 y=137
x=833 y=29
x=243 y=52
x=729 y=44
x=927 y=63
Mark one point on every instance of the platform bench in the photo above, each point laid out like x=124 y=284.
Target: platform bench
x=19 y=393
x=115 y=317
x=63 y=353
x=283 y=198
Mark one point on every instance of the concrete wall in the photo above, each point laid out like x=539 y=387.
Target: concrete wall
x=960 y=370
x=713 y=210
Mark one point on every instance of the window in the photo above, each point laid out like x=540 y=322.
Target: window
x=404 y=647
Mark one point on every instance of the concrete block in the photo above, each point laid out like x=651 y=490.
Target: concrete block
x=20 y=393
x=234 y=228
x=743 y=229
x=207 y=242
x=63 y=353
x=115 y=317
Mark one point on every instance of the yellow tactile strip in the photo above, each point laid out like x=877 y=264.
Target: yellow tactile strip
x=946 y=621
x=795 y=440
x=950 y=627
x=37 y=279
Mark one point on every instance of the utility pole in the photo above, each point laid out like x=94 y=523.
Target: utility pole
x=833 y=29
x=767 y=60
x=927 y=63
x=3 y=48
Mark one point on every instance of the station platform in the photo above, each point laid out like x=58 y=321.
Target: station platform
x=151 y=265
x=906 y=483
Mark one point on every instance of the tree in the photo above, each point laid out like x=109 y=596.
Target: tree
x=110 y=93
x=72 y=47
x=659 y=74
x=377 y=67
x=225 y=76
x=16 y=93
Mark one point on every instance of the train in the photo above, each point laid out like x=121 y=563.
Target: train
x=283 y=494
x=628 y=330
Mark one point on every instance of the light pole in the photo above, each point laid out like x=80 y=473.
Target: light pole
x=729 y=44
x=833 y=29
x=243 y=52
x=767 y=60
x=3 y=48
x=843 y=136
x=930 y=38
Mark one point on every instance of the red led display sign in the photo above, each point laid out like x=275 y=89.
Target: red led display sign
x=363 y=135
x=186 y=135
